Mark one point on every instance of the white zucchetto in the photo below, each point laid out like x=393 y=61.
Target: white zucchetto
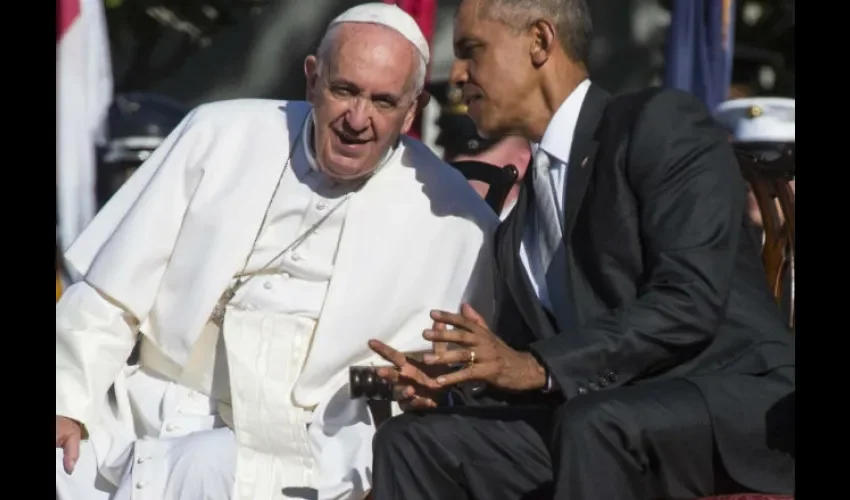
x=390 y=16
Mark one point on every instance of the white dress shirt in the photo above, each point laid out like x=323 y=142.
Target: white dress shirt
x=557 y=141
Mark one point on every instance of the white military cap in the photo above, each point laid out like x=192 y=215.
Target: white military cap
x=390 y=16
x=758 y=119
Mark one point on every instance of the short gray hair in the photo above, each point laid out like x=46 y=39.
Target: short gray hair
x=570 y=17
x=323 y=54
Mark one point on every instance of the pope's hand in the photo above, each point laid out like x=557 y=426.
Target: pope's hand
x=69 y=433
x=414 y=383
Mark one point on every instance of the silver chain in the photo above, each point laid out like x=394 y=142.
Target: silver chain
x=218 y=312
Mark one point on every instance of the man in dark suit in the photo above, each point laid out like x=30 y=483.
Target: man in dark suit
x=637 y=351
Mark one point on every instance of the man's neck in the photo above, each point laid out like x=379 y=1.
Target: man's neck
x=554 y=89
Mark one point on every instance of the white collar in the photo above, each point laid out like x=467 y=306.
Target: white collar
x=558 y=137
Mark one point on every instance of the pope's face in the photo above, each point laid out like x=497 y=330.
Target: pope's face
x=363 y=98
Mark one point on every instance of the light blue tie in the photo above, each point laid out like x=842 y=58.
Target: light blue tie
x=550 y=241
x=549 y=230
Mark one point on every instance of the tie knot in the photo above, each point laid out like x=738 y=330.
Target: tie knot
x=542 y=160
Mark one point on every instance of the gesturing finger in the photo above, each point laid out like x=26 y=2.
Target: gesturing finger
x=471 y=372
x=403 y=392
x=456 y=320
x=387 y=373
x=451 y=357
x=460 y=337
x=71 y=449
x=395 y=357
x=471 y=314
x=440 y=347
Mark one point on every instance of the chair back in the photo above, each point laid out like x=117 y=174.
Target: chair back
x=769 y=181
x=500 y=180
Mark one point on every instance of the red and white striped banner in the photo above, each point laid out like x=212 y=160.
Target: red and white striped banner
x=83 y=96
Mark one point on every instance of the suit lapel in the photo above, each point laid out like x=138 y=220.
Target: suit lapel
x=582 y=154
x=579 y=173
x=513 y=270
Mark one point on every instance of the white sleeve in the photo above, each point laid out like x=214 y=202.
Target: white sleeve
x=94 y=337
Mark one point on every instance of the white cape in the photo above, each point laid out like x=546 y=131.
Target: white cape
x=416 y=238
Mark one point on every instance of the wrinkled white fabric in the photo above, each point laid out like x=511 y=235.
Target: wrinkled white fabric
x=158 y=257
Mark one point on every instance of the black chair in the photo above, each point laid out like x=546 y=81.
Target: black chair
x=500 y=180
x=769 y=180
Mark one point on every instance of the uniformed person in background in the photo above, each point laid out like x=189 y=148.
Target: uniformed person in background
x=502 y=161
x=764 y=126
x=138 y=123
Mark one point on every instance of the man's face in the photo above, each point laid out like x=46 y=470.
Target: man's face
x=363 y=98
x=493 y=68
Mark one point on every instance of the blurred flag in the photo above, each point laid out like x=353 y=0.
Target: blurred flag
x=425 y=14
x=83 y=96
x=700 y=45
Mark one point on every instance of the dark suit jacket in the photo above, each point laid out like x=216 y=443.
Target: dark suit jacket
x=785 y=299
x=663 y=281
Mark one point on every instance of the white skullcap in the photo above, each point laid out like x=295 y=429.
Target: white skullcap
x=390 y=16
x=759 y=119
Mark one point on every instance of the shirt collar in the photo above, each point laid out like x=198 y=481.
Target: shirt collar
x=307 y=142
x=563 y=125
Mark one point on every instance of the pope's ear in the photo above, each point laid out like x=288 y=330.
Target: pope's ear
x=423 y=100
x=311 y=72
x=417 y=106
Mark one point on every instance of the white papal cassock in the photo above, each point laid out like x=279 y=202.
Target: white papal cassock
x=264 y=413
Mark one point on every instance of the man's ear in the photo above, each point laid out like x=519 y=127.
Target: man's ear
x=311 y=71
x=543 y=40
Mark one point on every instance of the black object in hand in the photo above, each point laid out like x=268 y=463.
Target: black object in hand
x=364 y=383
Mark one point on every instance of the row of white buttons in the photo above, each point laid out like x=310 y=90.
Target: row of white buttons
x=190 y=409
x=268 y=285
x=142 y=473
x=142 y=484
x=141 y=460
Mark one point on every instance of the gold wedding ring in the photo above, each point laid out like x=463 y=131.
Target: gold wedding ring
x=471 y=357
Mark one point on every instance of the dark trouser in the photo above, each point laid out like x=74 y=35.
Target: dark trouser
x=647 y=441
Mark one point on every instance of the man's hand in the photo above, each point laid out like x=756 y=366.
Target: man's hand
x=69 y=433
x=487 y=357
x=414 y=384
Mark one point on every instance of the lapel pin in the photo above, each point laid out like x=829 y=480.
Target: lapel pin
x=584 y=162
